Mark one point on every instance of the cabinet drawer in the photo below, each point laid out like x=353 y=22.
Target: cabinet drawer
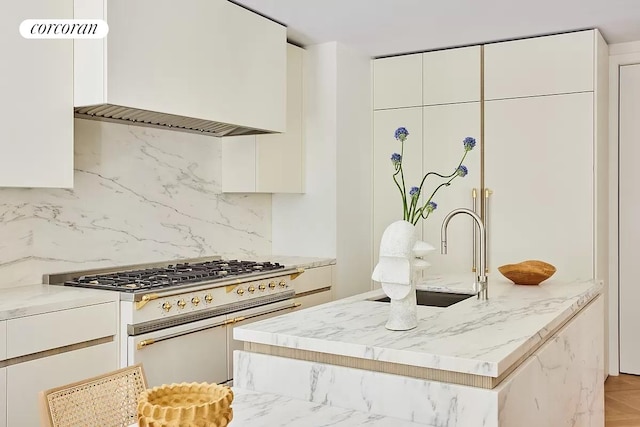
x=539 y=66
x=25 y=380
x=313 y=299
x=312 y=279
x=33 y=334
x=3 y=340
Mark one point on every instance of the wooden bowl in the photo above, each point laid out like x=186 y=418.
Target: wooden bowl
x=529 y=272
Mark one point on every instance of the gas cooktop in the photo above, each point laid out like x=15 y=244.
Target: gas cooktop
x=172 y=275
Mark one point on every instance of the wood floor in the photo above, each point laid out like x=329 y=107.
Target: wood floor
x=622 y=401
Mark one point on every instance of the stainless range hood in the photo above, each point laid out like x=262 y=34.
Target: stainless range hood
x=137 y=116
x=203 y=66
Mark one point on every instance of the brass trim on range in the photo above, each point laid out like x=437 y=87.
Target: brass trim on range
x=295 y=275
x=230 y=288
x=145 y=299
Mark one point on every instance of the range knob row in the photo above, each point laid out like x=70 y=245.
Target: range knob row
x=262 y=287
x=166 y=306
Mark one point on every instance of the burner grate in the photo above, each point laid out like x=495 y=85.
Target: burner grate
x=171 y=275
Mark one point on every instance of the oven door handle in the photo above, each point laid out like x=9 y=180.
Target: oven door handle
x=146 y=343
x=262 y=313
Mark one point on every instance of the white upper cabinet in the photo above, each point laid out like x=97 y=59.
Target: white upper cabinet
x=540 y=66
x=397 y=82
x=36 y=83
x=271 y=163
x=451 y=76
x=204 y=59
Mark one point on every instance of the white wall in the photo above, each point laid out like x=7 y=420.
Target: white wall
x=140 y=195
x=333 y=217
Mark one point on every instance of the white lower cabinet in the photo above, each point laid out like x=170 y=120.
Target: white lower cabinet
x=313 y=299
x=25 y=380
x=3 y=400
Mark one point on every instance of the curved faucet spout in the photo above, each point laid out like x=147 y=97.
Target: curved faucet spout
x=482 y=276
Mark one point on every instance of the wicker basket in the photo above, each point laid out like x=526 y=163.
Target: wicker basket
x=186 y=405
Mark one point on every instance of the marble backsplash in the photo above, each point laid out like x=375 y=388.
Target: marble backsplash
x=140 y=194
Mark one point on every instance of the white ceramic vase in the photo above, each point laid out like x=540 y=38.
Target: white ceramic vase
x=397 y=268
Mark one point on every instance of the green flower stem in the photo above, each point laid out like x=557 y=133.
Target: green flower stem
x=422 y=209
x=404 y=187
x=401 y=194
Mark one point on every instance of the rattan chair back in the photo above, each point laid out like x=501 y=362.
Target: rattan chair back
x=108 y=400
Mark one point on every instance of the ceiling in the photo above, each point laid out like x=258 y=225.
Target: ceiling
x=387 y=27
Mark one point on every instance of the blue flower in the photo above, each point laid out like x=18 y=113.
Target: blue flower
x=431 y=206
x=462 y=170
x=401 y=134
x=396 y=159
x=469 y=143
x=414 y=192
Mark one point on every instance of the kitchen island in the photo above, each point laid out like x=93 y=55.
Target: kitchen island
x=528 y=356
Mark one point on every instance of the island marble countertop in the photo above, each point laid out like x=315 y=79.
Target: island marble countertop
x=473 y=336
x=37 y=299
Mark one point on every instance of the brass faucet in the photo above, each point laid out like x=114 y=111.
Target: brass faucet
x=482 y=281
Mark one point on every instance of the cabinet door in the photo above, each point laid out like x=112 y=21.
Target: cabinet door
x=387 y=202
x=451 y=76
x=445 y=127
x=25 y=380
x=397 y=82
x=3 y=397
x=36 y=83
x=539 y=164
x=539 y=66
x=280 y=157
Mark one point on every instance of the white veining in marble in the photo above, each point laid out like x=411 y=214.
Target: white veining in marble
x=140 y=195
x=563 y=383
x=252 y=409
x=473 y=336
x=415 y=400
x=29 y=300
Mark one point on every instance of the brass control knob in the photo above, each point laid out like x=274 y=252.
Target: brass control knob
x=182 y=303
x=272 y=285
x=262 y=287
x=166 y=306
x=195 y=301
x=208 y=298
x=240 y=291
x=252 y=289
x=282 y=284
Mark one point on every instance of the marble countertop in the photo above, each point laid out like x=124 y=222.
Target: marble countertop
x=37 y=299
x=253 y=409
x=288 y=261
x=473 y=336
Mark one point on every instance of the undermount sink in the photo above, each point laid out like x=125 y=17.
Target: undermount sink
x=434 y=299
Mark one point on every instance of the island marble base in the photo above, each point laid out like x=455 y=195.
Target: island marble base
x=561 y=384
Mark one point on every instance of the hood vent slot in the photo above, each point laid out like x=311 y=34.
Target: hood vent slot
x=137 y=116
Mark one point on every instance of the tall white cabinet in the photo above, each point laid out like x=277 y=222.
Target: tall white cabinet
x=540 y=104
x=36 y=83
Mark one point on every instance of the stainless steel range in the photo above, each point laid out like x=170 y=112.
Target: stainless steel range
x=177 y=317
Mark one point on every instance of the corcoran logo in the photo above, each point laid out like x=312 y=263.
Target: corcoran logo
x=63 y=28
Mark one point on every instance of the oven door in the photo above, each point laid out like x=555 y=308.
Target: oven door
x=193 y=352
x=251 y=315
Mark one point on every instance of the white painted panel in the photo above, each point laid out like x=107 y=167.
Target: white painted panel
x=312 y=279
x=3 y=340
x=31 y=334
x=212 y=59
x=445 y=127
x=629 y=212
x=539 y=164
x=539 y=66
x=89 y=59
x=397 y=82
x=387 y=201
x=451 y=75
x=3 y=399
x=25 y=380
x=36 y=83
x=280 y=157
x=239 y=164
